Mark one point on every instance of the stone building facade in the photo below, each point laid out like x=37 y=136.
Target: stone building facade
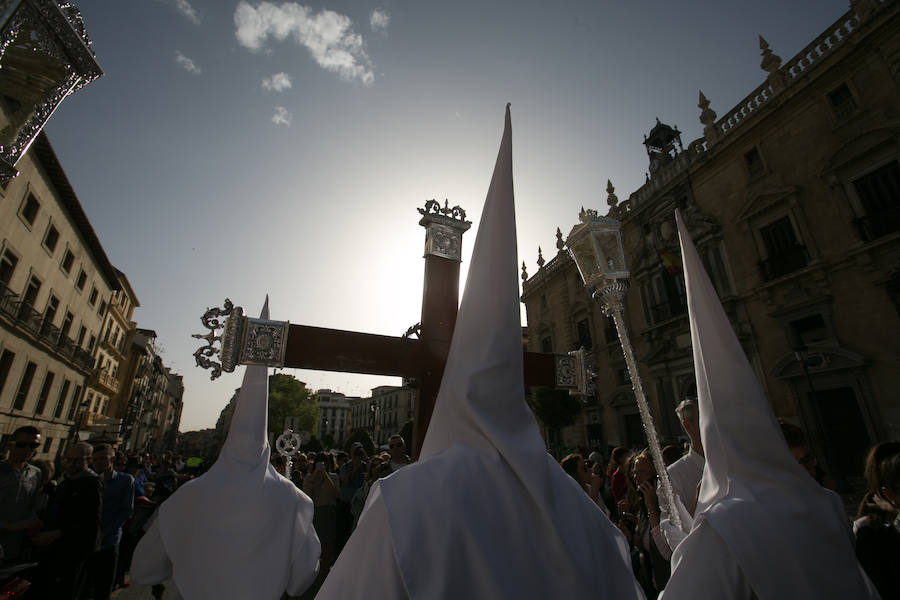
x=334 y=415
x=793 y=200
x=55 y=281
x=384 y=412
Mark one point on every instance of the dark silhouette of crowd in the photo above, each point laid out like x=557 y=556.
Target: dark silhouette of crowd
x=69 y=533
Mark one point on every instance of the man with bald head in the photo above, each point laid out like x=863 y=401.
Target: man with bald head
x=72 y=533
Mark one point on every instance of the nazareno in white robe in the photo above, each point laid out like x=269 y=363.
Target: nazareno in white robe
x=485 y=512
x=241 y=530
x=763 y=527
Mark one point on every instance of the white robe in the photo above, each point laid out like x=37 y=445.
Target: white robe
x=459 y=525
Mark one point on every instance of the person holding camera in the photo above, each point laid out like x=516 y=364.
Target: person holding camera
x=321 y=485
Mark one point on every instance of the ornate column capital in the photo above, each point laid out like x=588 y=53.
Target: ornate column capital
x=444 y=228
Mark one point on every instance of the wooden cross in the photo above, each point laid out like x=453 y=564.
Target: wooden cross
x=422 y=359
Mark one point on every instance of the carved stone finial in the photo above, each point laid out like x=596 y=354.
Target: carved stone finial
x=708 y=119
x=585 y=216
x=560 y=244
x=524 y=273
x=611 y=197
x=540 y=260
x=771 y=62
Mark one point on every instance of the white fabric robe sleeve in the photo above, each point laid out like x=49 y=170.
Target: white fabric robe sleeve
x=703 y=568
x=367 y=567
x=151 y=563
x=304 y=557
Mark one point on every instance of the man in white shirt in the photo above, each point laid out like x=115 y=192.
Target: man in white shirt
x=685 y=473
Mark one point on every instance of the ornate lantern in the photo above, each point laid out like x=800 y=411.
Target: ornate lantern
x=45 y=55
x=596 y=246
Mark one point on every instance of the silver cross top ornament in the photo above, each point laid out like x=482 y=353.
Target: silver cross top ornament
x=243 y=341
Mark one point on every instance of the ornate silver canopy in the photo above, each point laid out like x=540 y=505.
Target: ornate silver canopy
x=244 y=341
x=45 y=55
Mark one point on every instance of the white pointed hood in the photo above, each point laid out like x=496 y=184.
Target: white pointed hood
x=789 y=535
x=248 y=441
x=486 y=512
x=241 y=530
x=481 y=399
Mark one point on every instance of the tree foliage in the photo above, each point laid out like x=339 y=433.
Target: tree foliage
x=289 y=397
x=362 y=436
x=554 y=408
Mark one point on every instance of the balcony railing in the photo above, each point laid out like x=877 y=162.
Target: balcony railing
x=26 y=318
x=667 y=310
x=875 y=225
x=788 y=261
x=107 y=381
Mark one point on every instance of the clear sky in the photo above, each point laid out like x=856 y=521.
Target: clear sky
x=234 y=149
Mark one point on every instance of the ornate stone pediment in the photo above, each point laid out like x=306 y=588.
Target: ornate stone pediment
x=861 y=145
x=764 y=196
x=821 y=359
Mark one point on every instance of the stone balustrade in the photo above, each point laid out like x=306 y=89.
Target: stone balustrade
x=803 y=62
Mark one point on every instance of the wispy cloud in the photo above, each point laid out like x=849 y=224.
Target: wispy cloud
x=329 y=36
x=277 y=82
x=186 y=63
x=282 y=116
x=379 y=21
x=184 y=7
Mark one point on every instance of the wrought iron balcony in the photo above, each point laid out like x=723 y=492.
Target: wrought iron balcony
x=33 y=324
x=778 y=265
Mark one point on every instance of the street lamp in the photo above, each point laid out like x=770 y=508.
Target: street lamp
x=45 y=55
x=596 y=247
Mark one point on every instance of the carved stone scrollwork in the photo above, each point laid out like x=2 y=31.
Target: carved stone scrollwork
x=244 y=341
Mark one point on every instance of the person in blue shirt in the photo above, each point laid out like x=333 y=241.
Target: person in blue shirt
x=118 y=503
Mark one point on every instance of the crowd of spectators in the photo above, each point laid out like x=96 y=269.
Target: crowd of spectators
x=71 y=532
x=338 y=483
x=627 y=489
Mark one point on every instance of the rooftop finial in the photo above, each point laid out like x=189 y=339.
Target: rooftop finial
x=611 y=197
x=708 y=119
x=524 y=273
x=770 y=61
x=540 y=260
x=560 y=244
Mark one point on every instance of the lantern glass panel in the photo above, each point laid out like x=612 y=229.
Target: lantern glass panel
x=583 y=253
x=610 y=253
x=29 y=76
